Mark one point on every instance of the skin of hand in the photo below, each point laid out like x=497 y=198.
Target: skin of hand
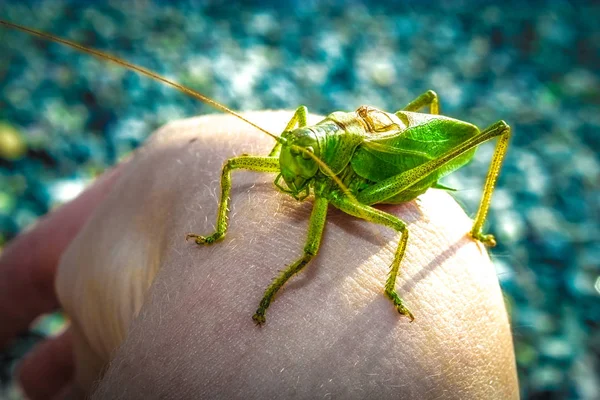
x=158 y=317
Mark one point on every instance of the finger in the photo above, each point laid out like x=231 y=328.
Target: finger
x=48 y=368
x=28 y=264
x=69 y=392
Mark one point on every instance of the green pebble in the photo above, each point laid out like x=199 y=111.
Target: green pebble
x=12 y=143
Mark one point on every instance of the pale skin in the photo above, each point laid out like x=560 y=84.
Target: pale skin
x=331 y=332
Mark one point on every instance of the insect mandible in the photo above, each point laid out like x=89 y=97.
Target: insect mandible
x=352 y=161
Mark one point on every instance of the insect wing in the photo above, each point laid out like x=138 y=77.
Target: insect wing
x=426 y=137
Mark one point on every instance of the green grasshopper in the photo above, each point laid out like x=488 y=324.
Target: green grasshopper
x=351 y=161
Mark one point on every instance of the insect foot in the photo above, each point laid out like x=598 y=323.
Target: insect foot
x=488 y=240
x=400 y=305
x=203 y=239
x=259 y=318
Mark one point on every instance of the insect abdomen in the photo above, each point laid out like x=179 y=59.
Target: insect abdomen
x=427 y=137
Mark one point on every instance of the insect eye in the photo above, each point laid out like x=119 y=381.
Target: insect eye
x=305 y=155
x=294 y=151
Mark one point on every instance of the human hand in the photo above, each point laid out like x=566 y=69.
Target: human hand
x=27 y=275
x=331 y=330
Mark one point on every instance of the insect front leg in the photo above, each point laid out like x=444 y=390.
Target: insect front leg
x=260 y=164
x=313 y=241
x=299 y=118
x=490 y=183
x=374 y=215
x=429 y=98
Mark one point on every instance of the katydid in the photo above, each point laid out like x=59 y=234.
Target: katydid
x=351 y=160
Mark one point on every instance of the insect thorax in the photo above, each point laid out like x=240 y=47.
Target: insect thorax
x=379 y=122
x=334 y=141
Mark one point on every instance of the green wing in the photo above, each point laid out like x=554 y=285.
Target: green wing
x=427 y=137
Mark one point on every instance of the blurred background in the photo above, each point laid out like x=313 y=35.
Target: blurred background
x=65 y=117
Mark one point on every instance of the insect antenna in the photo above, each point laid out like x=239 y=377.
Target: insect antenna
x=190 y=92
x=138 y=69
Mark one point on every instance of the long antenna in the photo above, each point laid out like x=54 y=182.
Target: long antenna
x=137 y=68
x=186 y=90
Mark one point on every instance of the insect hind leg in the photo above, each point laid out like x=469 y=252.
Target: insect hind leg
x=490 y=182
x=429 y=98
x=394 y=185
